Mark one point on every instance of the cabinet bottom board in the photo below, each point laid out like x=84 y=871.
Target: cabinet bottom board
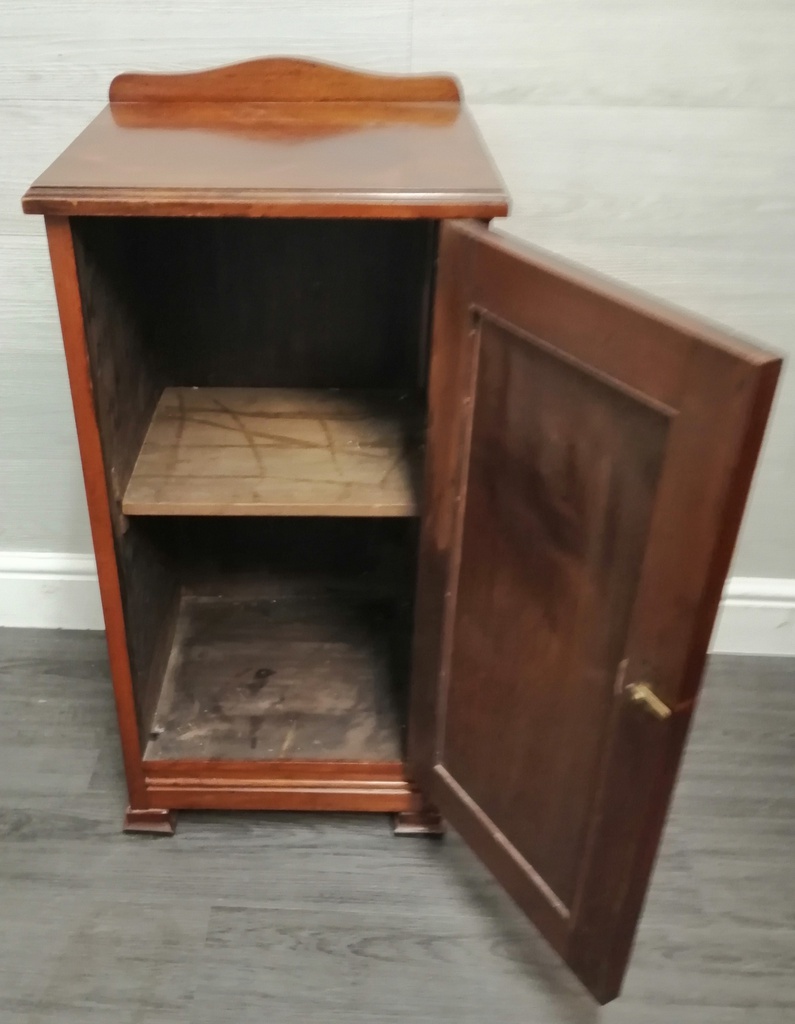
x=284 y=668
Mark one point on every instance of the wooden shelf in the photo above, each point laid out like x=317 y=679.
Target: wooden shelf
x=279 y=452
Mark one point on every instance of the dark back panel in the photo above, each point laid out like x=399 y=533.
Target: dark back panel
x=278 y=303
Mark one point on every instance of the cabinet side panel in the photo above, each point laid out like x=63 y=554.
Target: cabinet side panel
x=127 y=383
x=62 y=255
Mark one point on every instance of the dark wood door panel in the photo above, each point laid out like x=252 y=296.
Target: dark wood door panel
x=589 y=456
x=563 y=470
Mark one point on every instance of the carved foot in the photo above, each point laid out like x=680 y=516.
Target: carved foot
x=150 y=820
x=425 y=822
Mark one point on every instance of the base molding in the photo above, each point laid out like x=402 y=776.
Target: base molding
x=150 y=819
x=49 y=590
x=280 y=786
x=54 y=590
x=757 y=616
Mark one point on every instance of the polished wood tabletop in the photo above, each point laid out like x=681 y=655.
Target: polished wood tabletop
x=286 y=138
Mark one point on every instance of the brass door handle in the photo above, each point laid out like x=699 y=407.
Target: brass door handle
x=642 y=693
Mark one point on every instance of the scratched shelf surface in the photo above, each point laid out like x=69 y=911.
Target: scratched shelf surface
x=285 y=665
x=279 y=451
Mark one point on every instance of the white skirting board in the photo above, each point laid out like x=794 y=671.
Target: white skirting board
x=49 y=590
x=59 y=591
x=757 y=616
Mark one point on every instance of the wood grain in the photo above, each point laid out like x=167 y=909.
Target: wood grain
x=150 y=820
x=279 y=774
x=533 y=732
x=126 y=378
x=243 y=451
x=67 y=290
x=287 y=785
x=280 y=303
x=450 y=381
x=296 y=794
x=344 y=157
x=284 y=668
x=560 y=489
x=271 y=79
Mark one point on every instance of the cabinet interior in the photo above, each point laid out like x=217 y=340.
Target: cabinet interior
x=260 y=392
x=289 y=639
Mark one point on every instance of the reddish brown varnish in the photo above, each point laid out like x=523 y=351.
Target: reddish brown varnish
x=276 y=138
x=284 y=224
x=589 y=456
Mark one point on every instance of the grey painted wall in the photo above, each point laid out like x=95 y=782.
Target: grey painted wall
x=652 y=141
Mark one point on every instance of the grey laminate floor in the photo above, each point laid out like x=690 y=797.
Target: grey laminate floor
x=288 y=918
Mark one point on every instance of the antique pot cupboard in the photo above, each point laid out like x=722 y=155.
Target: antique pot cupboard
x=390 y=512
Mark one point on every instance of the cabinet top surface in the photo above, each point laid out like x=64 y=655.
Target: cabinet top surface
x=276 y=137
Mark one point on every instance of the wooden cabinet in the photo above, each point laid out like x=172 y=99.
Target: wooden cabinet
x=391 y=512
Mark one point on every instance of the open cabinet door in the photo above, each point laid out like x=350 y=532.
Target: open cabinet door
x=589 y=457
